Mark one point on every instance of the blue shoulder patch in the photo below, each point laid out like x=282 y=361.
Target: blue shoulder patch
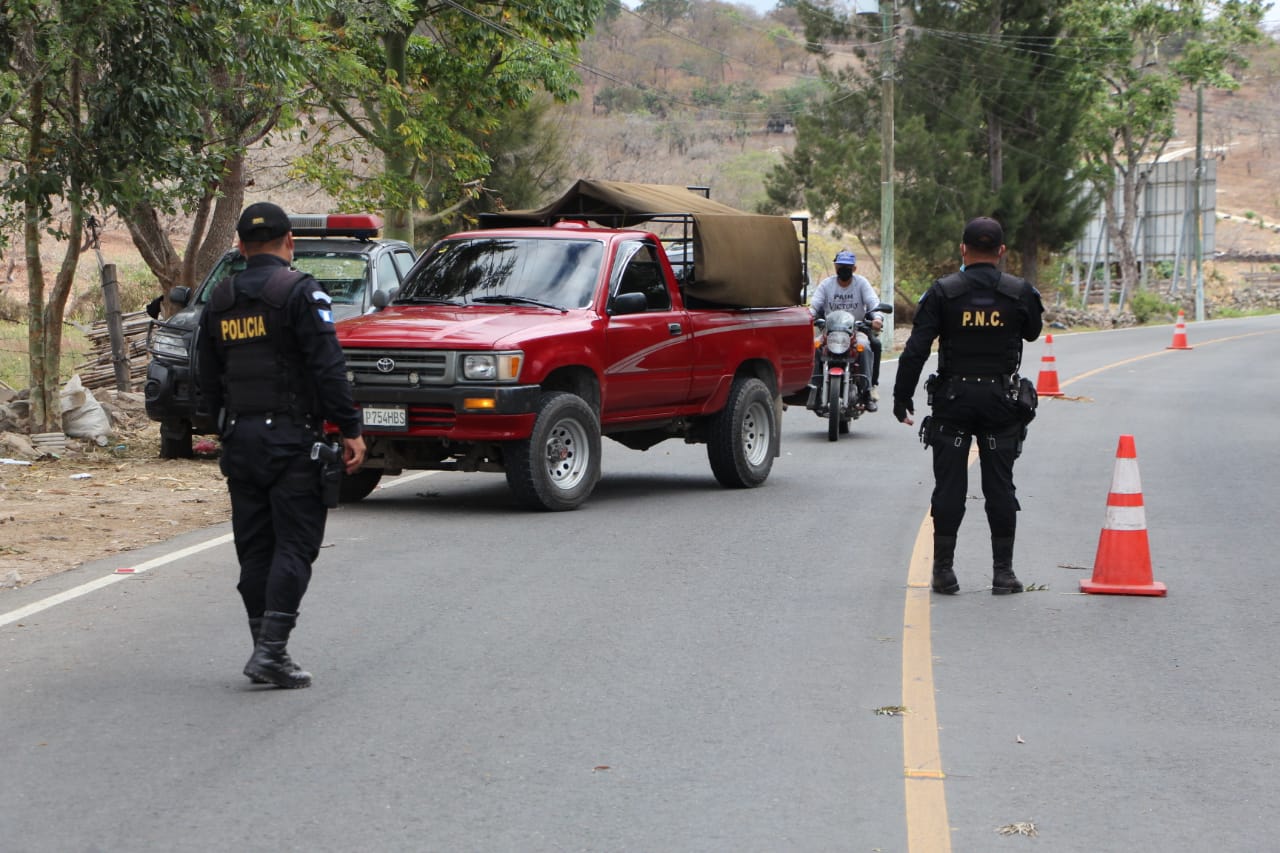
x=326 y=315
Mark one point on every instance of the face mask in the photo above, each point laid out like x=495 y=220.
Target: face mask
x=844 y=275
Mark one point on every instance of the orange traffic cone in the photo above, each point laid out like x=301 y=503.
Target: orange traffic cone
x=1123 y=563
x=1047 y=381
x=1179 y=334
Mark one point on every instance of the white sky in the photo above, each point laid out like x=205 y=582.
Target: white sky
x=1271 y=21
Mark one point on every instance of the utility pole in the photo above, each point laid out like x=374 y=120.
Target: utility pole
x=888 y=8
x=1197 y=205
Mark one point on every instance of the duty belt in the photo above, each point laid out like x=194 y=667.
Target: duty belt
x=999 y=378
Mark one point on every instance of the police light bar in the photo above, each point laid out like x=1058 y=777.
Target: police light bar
x=362 y=225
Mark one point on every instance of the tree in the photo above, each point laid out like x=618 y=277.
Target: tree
x=93 y=99
x=1134 y=58
x=250 y=69
x=529 y=165
x=983 y=125
x=1007 y=87
x=409 y=86
x=666 y=11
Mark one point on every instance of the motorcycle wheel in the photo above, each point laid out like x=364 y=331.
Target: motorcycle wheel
x=834 y=395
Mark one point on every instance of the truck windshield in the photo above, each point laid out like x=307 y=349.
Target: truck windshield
x=545 y=271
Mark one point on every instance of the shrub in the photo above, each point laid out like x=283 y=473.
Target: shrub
x=1146 y=305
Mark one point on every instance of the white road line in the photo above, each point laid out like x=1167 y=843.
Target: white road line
x=85 y=588
x=99 y=583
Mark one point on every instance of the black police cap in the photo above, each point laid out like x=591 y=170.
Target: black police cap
x=984 y=233
x=263 y=222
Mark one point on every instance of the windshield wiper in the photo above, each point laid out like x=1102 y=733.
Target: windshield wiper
x=517 y=300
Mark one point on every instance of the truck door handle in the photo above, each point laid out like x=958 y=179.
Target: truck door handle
x=675 y=329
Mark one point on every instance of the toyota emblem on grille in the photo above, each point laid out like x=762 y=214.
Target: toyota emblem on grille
x=385 y=365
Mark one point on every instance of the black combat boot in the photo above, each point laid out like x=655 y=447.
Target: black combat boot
x=255 y=628
x=944 y=576
x=270 y=661
x=1003 y=580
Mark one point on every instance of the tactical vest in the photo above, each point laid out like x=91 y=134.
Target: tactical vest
x=981 y=327
x=264 y=371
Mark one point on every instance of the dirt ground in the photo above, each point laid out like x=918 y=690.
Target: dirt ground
x=93 y=502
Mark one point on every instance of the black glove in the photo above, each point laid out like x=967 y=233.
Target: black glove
x=903 y=408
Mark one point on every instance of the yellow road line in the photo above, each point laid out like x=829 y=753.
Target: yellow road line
x=926 y=798
x=1098 y=370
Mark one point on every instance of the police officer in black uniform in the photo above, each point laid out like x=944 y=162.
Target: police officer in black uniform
x=270 y=365
x=982 y=316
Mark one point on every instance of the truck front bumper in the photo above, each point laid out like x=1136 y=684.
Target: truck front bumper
x=460 y=413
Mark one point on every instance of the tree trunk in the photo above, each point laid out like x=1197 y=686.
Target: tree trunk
x=37 y=362
x=1132 y=182
x=399 y=225
x=212 y=233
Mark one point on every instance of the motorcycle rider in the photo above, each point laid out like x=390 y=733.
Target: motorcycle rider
x=848 y=291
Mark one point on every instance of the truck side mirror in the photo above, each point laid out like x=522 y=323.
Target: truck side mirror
x=180 y=295
x=629 y=303
x=382 y=298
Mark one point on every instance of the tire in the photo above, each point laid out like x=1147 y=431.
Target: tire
x=175 y=440
x=743 y=437
x=353 y=488
x=558 y=466
x=833 y=409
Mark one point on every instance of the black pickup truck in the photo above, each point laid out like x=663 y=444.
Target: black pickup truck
x=345 y=255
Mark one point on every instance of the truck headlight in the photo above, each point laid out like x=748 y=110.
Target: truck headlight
x=169 y=344
x=838 y=341
x=492 y=367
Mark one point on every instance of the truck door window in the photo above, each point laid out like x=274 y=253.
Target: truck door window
x=387 y=278
x=641 y=273
x=404 y=260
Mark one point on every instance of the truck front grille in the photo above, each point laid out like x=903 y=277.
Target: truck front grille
x=392 y=368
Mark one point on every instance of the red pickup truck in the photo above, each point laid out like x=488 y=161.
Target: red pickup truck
x=515 y=348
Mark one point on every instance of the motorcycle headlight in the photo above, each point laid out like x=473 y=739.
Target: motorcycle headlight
x=838 y=341
x=169 y=344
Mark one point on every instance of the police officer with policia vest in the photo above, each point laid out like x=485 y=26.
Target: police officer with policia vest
x=982 y=316
x=270 y=365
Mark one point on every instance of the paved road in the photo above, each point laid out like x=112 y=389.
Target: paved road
x=677 y=667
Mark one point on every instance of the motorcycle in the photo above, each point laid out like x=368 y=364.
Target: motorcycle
x=841 y=388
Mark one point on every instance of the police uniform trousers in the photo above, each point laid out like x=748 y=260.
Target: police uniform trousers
x=965 y=410
x=277 y=510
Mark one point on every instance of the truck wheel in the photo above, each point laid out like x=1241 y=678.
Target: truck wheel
x=835 y=393
x=559 y=464
x=353 y=488
x=175 y=440
x=743 y=438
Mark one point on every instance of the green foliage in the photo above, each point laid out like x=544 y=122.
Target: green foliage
x=417 y=87
x=739 y=178
x=1147 y=306
x=982 y=125
x=619 y=99
x=529 y=164
x=1131 y=61
x=665 y=11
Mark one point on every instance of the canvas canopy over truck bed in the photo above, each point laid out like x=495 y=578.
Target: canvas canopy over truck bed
x=740 y=259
